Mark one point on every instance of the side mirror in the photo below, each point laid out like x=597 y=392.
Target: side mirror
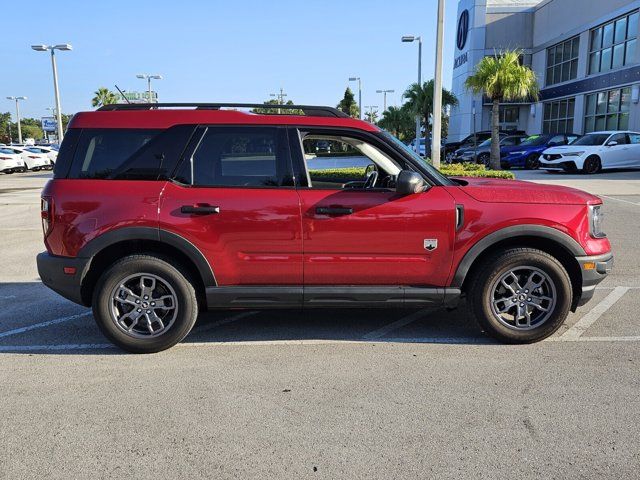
x=612 y=143
x=409 y=182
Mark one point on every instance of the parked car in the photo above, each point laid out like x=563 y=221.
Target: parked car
x=155 y=212
x=482 y=153
x=10 y=161
x=422 y=147
x=34 y=159
x=595 y=152
x=449 y=148
x=48 y=151
x=527 y=154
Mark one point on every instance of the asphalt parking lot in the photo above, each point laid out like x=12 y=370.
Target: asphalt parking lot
x=323 y=394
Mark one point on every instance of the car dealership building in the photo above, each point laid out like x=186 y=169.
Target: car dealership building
x=584 y=53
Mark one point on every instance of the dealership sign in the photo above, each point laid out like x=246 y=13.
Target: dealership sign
x=461 y=39
x=137 y=97
x=49 y=124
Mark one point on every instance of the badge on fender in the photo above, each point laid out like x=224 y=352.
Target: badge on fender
x=430 y=244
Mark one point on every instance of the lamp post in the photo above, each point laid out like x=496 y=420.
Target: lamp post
x=409 y=39
x=52 y=48
x=280 y=96
x=17 y=99
x=384 y=92
x=437 y=89
x=353 y=79
x=148 y=78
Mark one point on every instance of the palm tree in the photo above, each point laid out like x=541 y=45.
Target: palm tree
x=420 y=101
x=501 y=78
x=103 y=96
x=396 y=120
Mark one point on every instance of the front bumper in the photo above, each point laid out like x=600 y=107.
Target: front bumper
x=564 y=165
x=52 y=272
x=594 y=269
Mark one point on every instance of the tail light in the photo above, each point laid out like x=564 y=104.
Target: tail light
x=46 y=213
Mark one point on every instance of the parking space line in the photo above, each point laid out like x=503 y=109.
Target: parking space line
x=55 y=348
x=620 y=200
x=381 y=332
x=16 y=331
x=592 y=316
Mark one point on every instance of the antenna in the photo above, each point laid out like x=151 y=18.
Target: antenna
x=121 y=93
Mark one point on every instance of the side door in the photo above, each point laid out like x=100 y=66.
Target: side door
x=360 y=232
x=634 y=150
x=233 y=197
x=616 y=156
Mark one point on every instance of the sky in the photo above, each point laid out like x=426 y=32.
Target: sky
x=217 y=51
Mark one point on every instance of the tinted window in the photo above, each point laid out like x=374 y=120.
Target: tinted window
x=101 y=152
x=240 y=157
x=557 y=140
x=592 y=139
x=65 y=154
x=634 y=138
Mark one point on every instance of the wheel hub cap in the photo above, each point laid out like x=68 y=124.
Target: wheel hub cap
x=523 y=298
x=143 y=305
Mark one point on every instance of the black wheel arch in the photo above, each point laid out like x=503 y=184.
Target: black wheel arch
x=108 y=247
x=547 y=239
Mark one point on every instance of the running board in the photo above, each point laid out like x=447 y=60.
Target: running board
x=329 y=297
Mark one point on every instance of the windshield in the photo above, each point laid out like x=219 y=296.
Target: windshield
x=33 y=150
x=418 y=159
x=486 y=143
x=6 y=150
x=592 y=139
x=535 y=140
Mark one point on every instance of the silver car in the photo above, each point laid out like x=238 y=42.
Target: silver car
x=482 y=153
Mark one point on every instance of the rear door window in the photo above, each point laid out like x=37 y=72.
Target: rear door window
x=239 y=157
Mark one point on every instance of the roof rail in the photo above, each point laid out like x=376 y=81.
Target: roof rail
x=309 y=110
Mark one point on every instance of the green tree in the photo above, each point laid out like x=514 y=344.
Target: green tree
x=371 y=116
x=272 y=111
x=348 y=104
x=103 y=96
x=398 y=121
x=502 y=77
x=420 y=101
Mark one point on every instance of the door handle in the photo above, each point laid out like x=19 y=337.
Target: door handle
x=199 y=209
x=334 y=210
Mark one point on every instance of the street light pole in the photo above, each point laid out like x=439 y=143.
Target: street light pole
x=409 y=39
x=384 y=92
x=353 y=79
x=17 y=99
x=371 y=107
x=56 y=91
x=148 y=78
x=437 y=89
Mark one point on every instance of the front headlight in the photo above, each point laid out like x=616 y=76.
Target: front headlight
x=596 y=218
x=573 y=154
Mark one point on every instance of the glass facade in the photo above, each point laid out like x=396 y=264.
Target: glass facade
x=613 y=45
x=562 y=61
x=558 y=116
x=607 y=110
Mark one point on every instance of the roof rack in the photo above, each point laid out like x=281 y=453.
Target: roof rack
x=309 y=110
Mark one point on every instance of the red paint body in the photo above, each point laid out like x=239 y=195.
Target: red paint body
x=273 y=236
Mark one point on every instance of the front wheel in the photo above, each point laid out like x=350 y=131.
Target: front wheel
x=532 y=162
x=521 y=295
x=144 y=304
x=484 y=159
x=592 y=165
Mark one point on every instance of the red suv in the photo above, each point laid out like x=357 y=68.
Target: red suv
x=156 y=212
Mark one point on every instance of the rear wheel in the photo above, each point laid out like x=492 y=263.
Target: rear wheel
x=532 y=162
x=521 y=295
x=144 y=304
x=484 y=159
x=592 y=165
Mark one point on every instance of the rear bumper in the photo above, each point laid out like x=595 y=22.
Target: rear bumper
x=52 y=272
x=599 y=268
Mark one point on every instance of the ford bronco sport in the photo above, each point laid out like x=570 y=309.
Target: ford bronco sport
x=156 y=212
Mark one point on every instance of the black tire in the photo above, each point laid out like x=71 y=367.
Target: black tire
x=505 y=166
x=592 y=165
x=166 y=270
x=480 y=294
x=532 y=162
x=484 y=159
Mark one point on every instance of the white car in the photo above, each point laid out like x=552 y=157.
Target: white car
x=594 y=152
x=10 y=161
x=48 y=151
x=33 y=158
